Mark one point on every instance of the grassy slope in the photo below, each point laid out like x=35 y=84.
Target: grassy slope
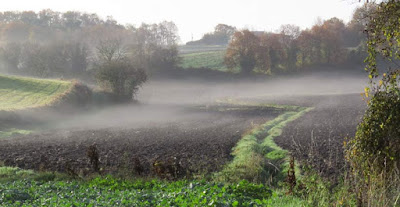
x=213 y=60
x=18 y=93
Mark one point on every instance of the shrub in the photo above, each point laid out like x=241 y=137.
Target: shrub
x=377 y=141
x=374 y=153
x=121 y=78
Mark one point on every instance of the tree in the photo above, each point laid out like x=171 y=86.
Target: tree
x=242 y=51
x=290 y=35
x=10 y=56
x=167 y=33
x=77 y=57
x=290 y=31
x=71 y=44
x=116 y=72
x=225 y=29
x=120 y=78
x=154 y=47
x=332 y=40
x=309 y=49
x=322 y=44
x=221 y=36
x=166 y=58
x=277 y=51
x=224 y=33
x=15 y=32
x=354 y=33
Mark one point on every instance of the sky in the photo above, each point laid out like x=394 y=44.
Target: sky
x=195 y=18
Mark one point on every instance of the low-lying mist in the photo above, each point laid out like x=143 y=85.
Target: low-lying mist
x=204 y=92
x=166 y=101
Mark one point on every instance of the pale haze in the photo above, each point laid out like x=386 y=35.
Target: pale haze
x=195 y=18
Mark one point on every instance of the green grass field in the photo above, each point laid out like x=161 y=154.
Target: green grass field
x=213 y=60
x=18 y=93
x=187 y=49
x=204 y=57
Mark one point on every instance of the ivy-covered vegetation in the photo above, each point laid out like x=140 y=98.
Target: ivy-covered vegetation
x=374 y=152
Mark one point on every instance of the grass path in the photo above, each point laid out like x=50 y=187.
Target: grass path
x=257 y=157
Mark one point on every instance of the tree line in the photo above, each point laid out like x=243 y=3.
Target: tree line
x=220 y=36
x=329 y=42
x=75 y=44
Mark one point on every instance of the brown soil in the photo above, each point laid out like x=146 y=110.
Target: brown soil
x=316 y=138
x=200 y=146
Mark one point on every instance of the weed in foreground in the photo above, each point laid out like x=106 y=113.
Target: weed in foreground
x=93 y=155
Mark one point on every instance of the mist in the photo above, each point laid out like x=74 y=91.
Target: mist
x=179 y=101
x=170 y=101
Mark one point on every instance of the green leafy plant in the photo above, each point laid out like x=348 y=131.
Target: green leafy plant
x=374 y=152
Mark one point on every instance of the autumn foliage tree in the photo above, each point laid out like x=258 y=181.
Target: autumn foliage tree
x=242 y=51
x=291 y=49
x=322 y=44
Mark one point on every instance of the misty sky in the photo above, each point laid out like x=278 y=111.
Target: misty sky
x=200 y=16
